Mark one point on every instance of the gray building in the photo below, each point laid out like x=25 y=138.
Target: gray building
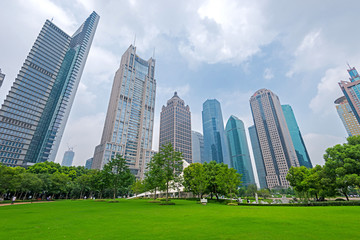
x=259 y=163
x=175 y=126
x=129 y=121
x=68 y=158
x=215 y=142
x=239 y=150
x=275 y=142
x=35 y=112
x=2 y=77
x=197 y=141
x=88 y=163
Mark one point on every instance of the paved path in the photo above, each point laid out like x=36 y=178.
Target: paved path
x=18 y=203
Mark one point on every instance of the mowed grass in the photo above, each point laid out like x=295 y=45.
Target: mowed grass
x=138 y=219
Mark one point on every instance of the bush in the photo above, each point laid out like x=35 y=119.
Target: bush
x=161 y=199
x=99 y=200
x=326 y=203
x=169 y=203
x=232 y=204
x=154 y=201
x=113 y=201
x=339 y=199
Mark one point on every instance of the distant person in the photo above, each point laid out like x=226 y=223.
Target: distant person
x=13 y=200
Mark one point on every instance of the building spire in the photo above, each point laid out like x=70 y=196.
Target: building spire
x=348 y=65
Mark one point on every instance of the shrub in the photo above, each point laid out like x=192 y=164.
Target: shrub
x=232 y=204
x=339 y=199
x=99 y=200
x=161 y=199
x=154 y=201
x=113 y=201
x=169 y=203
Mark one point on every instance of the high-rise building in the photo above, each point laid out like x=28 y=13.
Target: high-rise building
x=259 y=163
x=347 y=116
x=299 y=144
x=129 y=121
x=239 y=150
x=274 y=138
x=2 y=77
x=175 y=126
x=351 y=91
x=35 y=112
x=215 y=142
x=197 y=141
x=88 y=163
x=68 y=158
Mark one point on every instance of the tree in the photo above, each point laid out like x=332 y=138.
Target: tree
x=154 y=179
x=171 y=165
x=118 y=175
x=212 y=169
x=228 y=180
x=195 y=179
x=138 y=186
x=264 y=193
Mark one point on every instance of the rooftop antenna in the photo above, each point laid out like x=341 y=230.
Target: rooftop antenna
x=52 y=19
x=134 y=39
x=348 y=65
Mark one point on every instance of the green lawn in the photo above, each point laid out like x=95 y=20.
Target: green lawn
x=138 y=219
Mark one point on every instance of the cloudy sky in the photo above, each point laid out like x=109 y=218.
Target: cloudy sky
x=225 y=49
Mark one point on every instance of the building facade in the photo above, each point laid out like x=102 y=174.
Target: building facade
x=259 y=162
x=275 y=142
x=129 y=121
x=296 y=137
x=68 y=158
x=35 y=112
x=175 y=126
x=88 y=163
x=239 y=149
x=347 y=116
x=197 y=141
x=2 y=77
x=351 y=91
x=215 y=142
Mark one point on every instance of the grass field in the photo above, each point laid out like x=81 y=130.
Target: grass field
x=138 y=219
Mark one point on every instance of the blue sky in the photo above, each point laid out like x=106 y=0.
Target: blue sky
x=224 y=49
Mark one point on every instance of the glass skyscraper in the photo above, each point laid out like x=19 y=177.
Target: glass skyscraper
x=347 y=116
x=215 y=142
x=2 y=77
x=260 y=167
x=239 y=149
x=351 y=91
x=197 y=141
x=35 y=112
x=88 y=163
x=299 y=144
x=175 y=126
x=68 y=158
x=129 y=122
x=274 y=138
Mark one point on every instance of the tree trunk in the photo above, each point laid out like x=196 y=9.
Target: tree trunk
x=217 y=196
x=25 y=196
x=155 y=194
x=347 y=198
x=167 y=191
x=114 y=193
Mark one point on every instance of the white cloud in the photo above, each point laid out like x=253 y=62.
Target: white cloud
x=268 y=74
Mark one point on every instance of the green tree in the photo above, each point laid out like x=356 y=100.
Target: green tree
x=154 y=179
x=118 y=175
x=138 y=186
x=228 y=180
x=195 y=179
x=251 y=189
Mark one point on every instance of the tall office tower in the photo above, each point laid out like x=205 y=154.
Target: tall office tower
x=239 y=150
x=129 y=122
x=35 y=112
x=274 y=138
x=351 y=91
x=260 y=167
x=68 y=158
x=299 y=144
x=2 y=77
x=175 y=126
x=197 y=141
x=88 y=163
x=347 y=116
x=215 y=142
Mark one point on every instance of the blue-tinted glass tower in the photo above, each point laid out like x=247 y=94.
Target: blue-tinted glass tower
x=260 y=167
x=35 y=112
x=215 y=143
x=68 y=158
x=239 y=150
x=299 y=145
x=197 y=141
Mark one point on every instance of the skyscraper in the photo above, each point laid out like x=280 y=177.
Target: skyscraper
x=197 y=141
x=68 y=158
x=260 y=167
x=347 y=116
x=88 y=163
x=129 y=122
x=175 y=126
x=239 y=150
x=2 y=77
x=351 y=91
x=215 y=143
x=299 y=144
x=35 y=112
x=274 y=138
